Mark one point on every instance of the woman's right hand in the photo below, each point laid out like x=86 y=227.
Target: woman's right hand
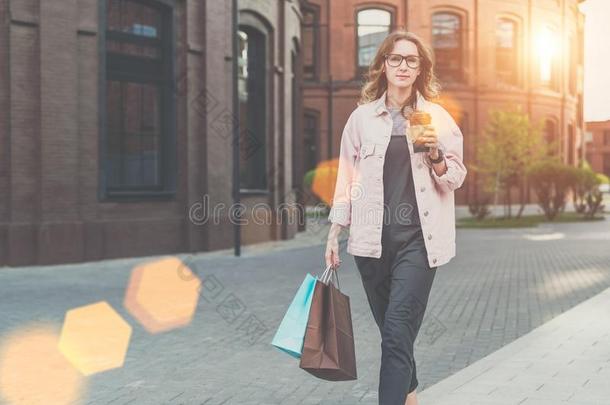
x=332 y=246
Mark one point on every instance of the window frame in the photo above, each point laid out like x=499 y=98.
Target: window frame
x=167 y=107
x=361 y=70
x=571 y=135
x=250 y=20
x=462 y=15
x=605 y=164
x=315 y=115
x=314 y=9
x=556 y=150
x=517 y=51
x=606 y=137
x=573 y=63
x=554 y=83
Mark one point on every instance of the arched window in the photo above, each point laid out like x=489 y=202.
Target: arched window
x=138 y=118
x=252 y=82
x=548 y=50
x=507 y=57
x=571 y=144
x=311 y=42
x=550 y=136
x=465 y=129
x=311 y=135
x=373 y=25
x=573 y=63
x=448 y=44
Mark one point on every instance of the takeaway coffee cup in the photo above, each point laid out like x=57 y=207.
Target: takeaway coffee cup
x=419 y=121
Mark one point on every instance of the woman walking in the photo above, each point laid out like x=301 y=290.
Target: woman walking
x=396 y=197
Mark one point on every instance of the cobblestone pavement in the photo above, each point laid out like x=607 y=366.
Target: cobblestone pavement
x=502 y=284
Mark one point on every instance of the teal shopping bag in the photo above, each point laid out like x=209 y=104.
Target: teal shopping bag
x=291 y=332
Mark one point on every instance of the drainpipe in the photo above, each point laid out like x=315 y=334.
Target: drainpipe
x=476 y=93
x=235 y=95
x=329 y=84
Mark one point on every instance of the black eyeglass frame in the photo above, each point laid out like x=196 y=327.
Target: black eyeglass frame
x=419 y=58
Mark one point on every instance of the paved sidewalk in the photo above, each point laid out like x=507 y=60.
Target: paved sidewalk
x=503 y=284
x=564 y=361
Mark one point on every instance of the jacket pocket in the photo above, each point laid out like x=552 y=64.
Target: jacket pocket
x=366 y=150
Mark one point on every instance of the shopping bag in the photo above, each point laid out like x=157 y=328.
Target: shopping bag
x=328 y=348
x=289 y=335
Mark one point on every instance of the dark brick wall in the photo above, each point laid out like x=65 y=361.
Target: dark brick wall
x=50 y=211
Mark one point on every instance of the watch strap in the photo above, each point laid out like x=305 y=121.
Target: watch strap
x=441 y=157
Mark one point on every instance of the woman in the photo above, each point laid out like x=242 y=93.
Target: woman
x=398 y=202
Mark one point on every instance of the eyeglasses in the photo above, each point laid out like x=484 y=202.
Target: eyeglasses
x=395 y=60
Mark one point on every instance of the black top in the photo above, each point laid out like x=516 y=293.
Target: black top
x=401 y=216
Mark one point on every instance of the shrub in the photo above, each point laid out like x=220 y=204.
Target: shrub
x=594 y=203
x=584 y=182
x=480 y=208
x=551 y=181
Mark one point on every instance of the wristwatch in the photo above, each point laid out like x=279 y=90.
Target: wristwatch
x=440 y=157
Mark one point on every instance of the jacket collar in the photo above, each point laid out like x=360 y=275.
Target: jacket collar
x=379 y=106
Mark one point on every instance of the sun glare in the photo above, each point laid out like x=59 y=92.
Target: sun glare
x=547 y=47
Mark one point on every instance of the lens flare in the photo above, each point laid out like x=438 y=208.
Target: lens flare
x=325 y=177
x=33 y=371
x=94 y=338
x=162 y=294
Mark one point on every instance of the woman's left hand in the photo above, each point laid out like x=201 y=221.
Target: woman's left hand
x=431 y=140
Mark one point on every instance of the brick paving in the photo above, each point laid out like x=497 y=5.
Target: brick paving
x=564 y=361
x=502 y=285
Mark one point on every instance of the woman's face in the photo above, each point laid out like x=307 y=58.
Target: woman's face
x=402 y=75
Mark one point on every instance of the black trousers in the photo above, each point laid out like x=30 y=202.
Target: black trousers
x=397 y=286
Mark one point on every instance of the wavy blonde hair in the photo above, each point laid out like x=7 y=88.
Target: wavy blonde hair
x=376 y=82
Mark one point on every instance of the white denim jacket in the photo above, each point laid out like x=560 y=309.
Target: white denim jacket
x=358 y=197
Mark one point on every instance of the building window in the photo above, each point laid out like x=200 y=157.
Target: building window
x=252 y=82
x=548 y=47
x=606 y=164
x=464 y=123
x=464 y=128
x=588 y=157
x=550 y=136
x=311 y=133
x=373 y=25
x=573 y=64
x=606 y=137
x=506 y=51
x=571 y=145
x=447 y=41
x=138 y=135
x=311 y=43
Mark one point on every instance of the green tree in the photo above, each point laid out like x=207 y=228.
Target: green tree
x=511 y=145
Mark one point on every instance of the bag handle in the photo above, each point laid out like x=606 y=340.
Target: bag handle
x=324 y=275
x=327 y=276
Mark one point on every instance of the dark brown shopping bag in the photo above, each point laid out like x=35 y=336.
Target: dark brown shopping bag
x=328 y=348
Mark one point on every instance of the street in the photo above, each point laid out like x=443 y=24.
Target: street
x=501 y=285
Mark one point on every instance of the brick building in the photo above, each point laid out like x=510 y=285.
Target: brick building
x=597 y=146
x=488 y=53
x=115 y=125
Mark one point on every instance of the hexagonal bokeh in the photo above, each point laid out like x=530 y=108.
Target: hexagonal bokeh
x=162 y=294
x=34 y=371
x=94 y=338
